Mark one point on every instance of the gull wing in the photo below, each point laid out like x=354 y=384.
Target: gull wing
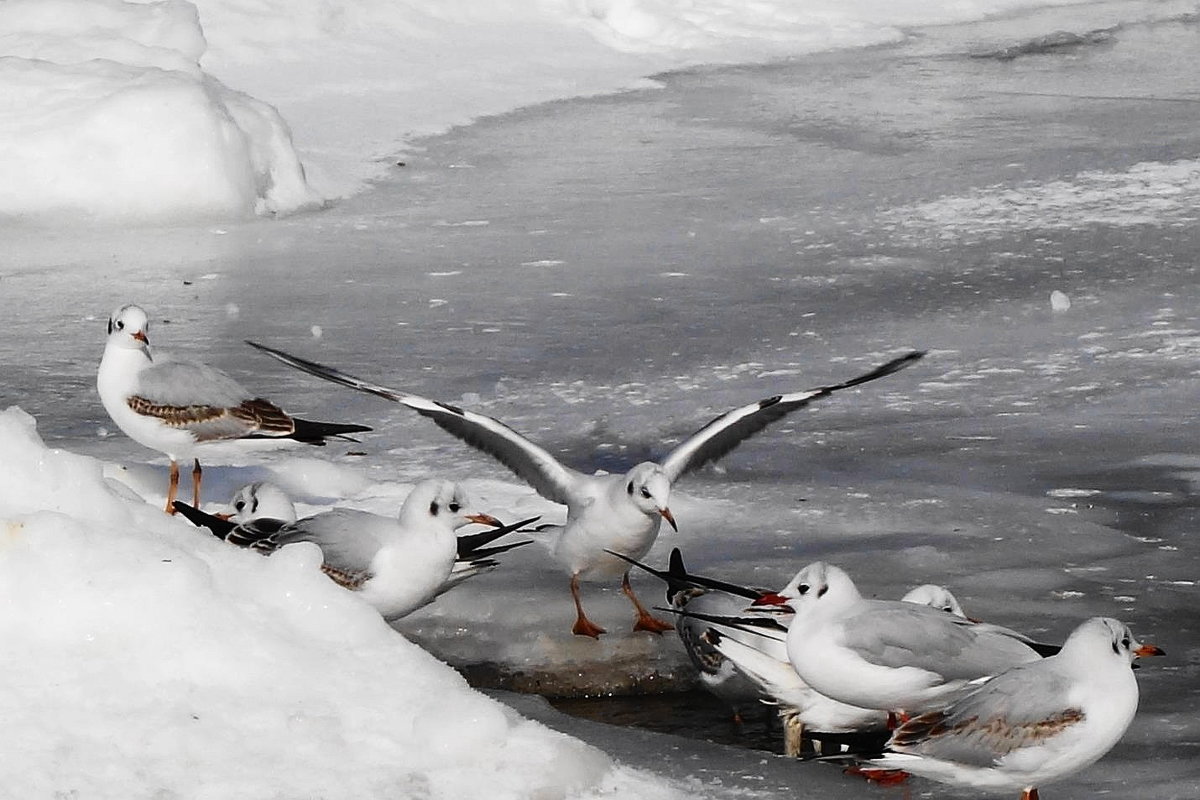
x=678 y=578
x=220 y=528
x=176 y=382
x=1023 y=707
x=470 y=544
x=530 y=462
x=256 y=534
x=898 y=634
x=347 y=539
x=730 y=429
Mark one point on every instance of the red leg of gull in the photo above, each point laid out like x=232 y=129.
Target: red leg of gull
x=196 y=472
x=644 y=621
x=173 y=487
x=583 y=625
x=1029 y=794
x=882 y=777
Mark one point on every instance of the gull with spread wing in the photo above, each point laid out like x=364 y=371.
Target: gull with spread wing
x=183 y=407
x=621 y=513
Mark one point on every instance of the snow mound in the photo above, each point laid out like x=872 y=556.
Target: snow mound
x=107 y=113
x=145 y=659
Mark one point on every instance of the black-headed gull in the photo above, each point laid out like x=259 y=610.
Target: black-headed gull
x=1033 y=724
x=180 y=407
x=745 y=646
x=882 y=654
x=397 y=564
x=619 y=513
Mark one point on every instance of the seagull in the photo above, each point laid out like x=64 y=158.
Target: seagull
x=889 y=655
x=619 y=513
x=1033 y=724
x=746 y=646
x=399 y=565
x=178 y=407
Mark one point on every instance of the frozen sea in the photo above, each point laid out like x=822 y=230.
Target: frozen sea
x=607 y=274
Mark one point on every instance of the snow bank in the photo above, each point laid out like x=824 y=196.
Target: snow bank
x=109 y=114
x=106 y=113
x=142 y=658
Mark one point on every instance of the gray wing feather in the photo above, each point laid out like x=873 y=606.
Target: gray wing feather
x=537 y=467
x=344 y=536
x=1023 y=707
x=187 y=383
x=730 y=429
x=907 y=635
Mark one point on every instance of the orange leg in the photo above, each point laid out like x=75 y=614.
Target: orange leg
x=882 y=777
x=196 y=472
x=173 y=487
x=644 y=621
x=583 y=625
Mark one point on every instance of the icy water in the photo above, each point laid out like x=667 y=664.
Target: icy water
x=606 y=275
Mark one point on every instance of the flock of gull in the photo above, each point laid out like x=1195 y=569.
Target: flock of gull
x=925 y=689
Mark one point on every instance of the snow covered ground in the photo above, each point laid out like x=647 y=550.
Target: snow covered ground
x=606 y=276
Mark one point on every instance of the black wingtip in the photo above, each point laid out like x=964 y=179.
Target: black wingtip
x=883 y=370
x=219 y=527
x=470 y=544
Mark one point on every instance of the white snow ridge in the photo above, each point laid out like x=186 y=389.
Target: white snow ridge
x=106 y=112
x=144 y=659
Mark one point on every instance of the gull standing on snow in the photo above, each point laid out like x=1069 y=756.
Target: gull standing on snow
x=621 y=513
x=180 y=407
x=889 y=655
x=396 y=564
x=1035 y=723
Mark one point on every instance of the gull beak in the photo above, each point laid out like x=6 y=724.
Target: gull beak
x=224 y=517
x=669 y=517
x=1149 y=650
x=485 y=519
x=141 y=337
x=772 y=599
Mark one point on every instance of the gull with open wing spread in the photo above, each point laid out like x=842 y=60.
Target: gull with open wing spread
x=397 y=564
x=183 y=407
x=621 y=513
x=1033 y=724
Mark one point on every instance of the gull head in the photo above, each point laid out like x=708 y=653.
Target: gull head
x=649 y=488
x=1105 y=640
x=819 y=585
x=127 y=328
x=935 y=596
x=261 y=500
x=442 y=503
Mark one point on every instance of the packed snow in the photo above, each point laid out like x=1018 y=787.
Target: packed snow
x=147 y=658
x=162 y=111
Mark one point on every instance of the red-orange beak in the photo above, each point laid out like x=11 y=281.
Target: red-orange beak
x=225 y=517
x=669 y=517
x=1149 y=650
x=141 y=337
x=772 y=599
x=485 y=519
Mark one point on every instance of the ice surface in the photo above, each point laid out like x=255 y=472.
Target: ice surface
x=167 y=110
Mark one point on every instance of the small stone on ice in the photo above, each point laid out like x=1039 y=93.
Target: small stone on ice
x=317 y=332
x=1059 y=301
